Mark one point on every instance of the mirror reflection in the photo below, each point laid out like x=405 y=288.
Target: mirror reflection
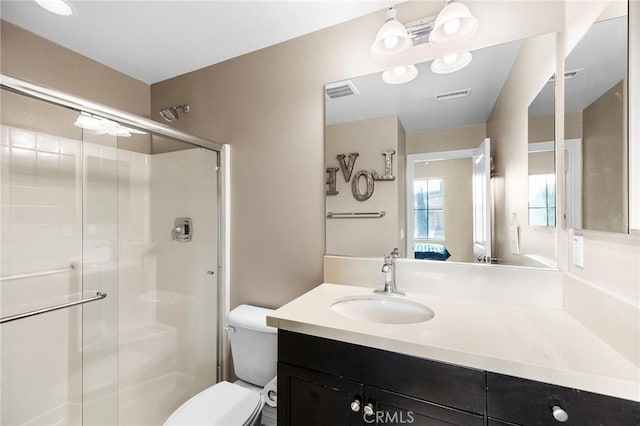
x=541 y=159
x=438 y=166
x=596 y=100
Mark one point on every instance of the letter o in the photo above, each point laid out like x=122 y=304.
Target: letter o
x=355 y=185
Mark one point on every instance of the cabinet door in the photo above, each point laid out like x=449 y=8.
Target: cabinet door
x=310 y=398
x=394 y=409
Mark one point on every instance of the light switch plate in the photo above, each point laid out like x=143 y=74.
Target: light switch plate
x=578 y=250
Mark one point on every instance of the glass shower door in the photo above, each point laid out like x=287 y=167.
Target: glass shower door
x=100 y=275
x=49 y=362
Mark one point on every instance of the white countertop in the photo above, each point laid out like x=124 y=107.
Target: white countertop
x=546 y=345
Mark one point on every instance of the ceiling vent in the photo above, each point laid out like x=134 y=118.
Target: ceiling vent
x=419 y=30
x=568 y=75
x=452 y=95
x=340 y=89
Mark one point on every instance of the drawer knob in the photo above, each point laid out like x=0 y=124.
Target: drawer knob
x=559 y=414
x=355 y=405
x=368 y=409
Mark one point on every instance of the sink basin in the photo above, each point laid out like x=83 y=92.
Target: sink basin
x=382 y=309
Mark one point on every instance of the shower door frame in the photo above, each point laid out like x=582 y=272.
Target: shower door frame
x=57 y=97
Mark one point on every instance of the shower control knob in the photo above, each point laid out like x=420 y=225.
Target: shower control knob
x=559 y=414
x=368 y=409
x=355 y=405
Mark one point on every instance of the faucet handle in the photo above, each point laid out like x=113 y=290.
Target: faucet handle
x=395 y=253
x=387 y=259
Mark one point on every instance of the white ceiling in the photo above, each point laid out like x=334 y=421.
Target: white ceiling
x=155 y=40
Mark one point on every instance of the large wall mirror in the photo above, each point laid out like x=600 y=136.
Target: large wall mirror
x=461 y=166
x=438 y=166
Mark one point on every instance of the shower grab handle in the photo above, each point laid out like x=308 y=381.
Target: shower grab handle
x=99 y=295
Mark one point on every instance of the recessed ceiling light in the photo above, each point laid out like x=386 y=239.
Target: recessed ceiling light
x=59 y=7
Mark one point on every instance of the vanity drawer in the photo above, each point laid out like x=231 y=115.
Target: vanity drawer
x=527 y=402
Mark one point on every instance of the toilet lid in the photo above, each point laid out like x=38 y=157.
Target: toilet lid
x=221 y=404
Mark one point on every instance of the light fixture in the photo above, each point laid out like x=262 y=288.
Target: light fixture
x=114 y=129
x=59 y=7
x=400 y=74
x=453 y=24
x=392 y=38
x=451 y=63
x=100 y=125
x=88 y=122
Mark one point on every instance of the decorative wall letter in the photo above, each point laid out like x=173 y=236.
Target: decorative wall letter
x=347 y=169
x=388 y=167
x=331 y=180
x=355 y=185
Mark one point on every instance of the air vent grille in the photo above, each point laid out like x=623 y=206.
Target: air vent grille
x=340 y=89
x=452 y=95
x=568 y=75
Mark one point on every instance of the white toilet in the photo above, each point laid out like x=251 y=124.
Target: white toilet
x=254 y=351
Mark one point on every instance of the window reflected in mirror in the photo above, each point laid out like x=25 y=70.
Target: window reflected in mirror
x=542 y=199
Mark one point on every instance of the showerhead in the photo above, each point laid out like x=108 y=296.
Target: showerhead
x=171 y=113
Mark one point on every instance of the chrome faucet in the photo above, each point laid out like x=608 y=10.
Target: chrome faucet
x=389 y=269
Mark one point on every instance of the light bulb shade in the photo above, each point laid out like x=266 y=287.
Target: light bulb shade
x=440 y=66
x=392 y=38
x=453 y=24
x=400 y=75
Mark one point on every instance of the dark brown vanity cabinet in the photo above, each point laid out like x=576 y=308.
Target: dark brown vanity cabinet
x=330 y=383
x=325 y=382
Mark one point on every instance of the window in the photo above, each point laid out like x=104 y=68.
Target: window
x=542 y=200
x=428 y=209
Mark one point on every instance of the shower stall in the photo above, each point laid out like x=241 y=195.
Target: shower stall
x=111 y=292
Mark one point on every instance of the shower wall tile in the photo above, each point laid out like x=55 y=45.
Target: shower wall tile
x=40 y=224
x=47 y=143
x=23 y=138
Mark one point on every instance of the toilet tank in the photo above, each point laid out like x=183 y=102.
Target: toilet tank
x=254 y=345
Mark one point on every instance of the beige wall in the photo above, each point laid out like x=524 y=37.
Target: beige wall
x=269 y=106
x=458 y=203
x=449 y=139
x=604 y=147
x=507 y=128
x=37 y=60
x=366 y=237
x=542 y=129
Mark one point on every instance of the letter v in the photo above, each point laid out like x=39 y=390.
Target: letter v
x=347 y=168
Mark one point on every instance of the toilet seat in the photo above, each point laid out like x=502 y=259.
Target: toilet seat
x=221 y=404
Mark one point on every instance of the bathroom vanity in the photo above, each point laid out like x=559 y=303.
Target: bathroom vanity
x=338 y=371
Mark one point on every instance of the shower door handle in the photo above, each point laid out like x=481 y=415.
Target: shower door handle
x=99 y=295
